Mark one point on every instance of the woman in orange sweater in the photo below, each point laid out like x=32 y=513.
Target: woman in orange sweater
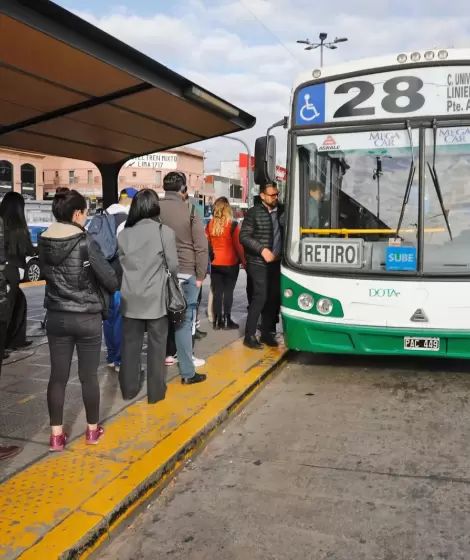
x=225 y=253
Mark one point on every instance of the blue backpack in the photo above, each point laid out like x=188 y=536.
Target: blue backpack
x=103 y=229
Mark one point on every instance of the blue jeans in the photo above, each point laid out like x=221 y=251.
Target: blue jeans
x=112 y=328
x=184 y=333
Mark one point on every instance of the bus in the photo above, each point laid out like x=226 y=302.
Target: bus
x=377 y=225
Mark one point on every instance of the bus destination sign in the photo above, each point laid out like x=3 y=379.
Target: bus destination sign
x=345 y=253
x=411 y=92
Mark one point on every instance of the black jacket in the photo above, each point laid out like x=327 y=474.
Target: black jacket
x=71 y=286
x=3 y=280
x=257 y=231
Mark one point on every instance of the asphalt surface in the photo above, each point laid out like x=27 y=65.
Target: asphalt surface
x=338 y=458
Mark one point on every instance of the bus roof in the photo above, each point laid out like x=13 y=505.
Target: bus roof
x=381 y=63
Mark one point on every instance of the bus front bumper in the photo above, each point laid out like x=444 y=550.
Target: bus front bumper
x=339 y=338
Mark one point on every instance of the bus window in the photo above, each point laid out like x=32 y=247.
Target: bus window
x=349 y=189
x=447 y=243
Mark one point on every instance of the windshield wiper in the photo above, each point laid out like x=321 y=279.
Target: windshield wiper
x=435 y=179
x=409 y=183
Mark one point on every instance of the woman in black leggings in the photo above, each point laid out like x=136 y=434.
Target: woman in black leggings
x=79 y=281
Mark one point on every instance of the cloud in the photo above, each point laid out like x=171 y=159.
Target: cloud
x=246 y=50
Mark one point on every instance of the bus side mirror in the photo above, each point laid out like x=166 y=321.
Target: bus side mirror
x=265 y=160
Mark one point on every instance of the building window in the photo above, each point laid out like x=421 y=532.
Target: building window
x=90 y=177
x=28 y=181
x=6 y=176
x=134 y=174
x=57 y=174
x=158 y=178
x=43 y=177
x=71 y=176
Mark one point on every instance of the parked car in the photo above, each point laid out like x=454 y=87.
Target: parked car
x=32 y=272
x=33 y=268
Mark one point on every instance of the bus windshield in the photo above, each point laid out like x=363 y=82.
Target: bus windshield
x=356 y=200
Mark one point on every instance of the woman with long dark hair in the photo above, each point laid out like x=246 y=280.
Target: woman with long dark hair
x=146 y=248
x=18 y=246
x=6 y=451
x=79 y=281
x=226 y=254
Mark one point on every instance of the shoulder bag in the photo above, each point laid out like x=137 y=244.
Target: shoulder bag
x=175 y=300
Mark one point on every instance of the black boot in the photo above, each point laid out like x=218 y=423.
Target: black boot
x=230 y=325
x=218 y=323
x=253 y=343
x=200 y=334
x=269 y=339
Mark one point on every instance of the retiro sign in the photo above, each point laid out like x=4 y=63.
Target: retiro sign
x=163 y=160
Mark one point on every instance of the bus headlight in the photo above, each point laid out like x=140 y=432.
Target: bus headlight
x=316 y=73
x=402 y=58
x=305 y=302
x=442 y=55
x=324 y=306
x=429 y=55
x=415 y=56
x=288 y=293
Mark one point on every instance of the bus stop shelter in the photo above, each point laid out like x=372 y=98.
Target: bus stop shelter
x=69 y=89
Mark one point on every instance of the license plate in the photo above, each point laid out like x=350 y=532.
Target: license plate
x=415 y=343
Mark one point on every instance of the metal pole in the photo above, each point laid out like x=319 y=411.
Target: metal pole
x=321 y=54
x=250 y=174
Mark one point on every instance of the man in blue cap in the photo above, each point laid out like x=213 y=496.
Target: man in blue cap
x=112 y=326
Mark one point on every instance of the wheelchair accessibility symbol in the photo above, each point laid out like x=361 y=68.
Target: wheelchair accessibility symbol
x=311 y=105
x=308 y=112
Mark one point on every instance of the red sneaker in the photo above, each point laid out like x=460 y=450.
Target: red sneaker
x=57 y=443
x=94 y=436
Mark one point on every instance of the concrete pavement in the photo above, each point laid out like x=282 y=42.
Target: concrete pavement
x=66 y=504
x=335 y=458
x=23 y=384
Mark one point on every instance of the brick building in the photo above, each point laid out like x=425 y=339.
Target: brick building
x=37 y=176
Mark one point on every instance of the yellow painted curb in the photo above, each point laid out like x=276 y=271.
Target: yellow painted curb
x=24 y=285
x=66 y=504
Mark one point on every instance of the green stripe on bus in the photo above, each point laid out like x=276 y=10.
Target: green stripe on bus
x=297 y=289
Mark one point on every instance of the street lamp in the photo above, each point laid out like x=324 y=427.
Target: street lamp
x=332 y=45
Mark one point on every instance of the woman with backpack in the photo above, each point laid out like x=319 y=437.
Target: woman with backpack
x=79 y=281
x=226 y=254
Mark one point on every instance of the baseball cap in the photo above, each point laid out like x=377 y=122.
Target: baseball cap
x=129 y=192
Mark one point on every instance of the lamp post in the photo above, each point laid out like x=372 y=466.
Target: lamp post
x=332 y=45
x=250 y=174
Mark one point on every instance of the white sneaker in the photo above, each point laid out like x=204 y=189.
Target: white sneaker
x=198 y=362
x=117 y=369
x=171 y=360
x=111 y=365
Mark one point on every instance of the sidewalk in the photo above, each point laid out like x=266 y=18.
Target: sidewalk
x=24 y=418
x=58 y=506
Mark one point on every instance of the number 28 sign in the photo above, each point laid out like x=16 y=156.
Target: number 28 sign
x=413 y=92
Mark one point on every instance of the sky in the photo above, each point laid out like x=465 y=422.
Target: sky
x=246 y=50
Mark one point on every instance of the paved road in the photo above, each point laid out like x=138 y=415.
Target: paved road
x=336 y=458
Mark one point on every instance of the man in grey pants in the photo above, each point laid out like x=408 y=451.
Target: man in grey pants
x=193 y=257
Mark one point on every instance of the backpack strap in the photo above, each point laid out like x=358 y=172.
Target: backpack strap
x=233 y=228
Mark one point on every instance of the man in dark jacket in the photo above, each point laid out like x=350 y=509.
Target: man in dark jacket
x=6 y=451
x=193 y=256
x=261 y=236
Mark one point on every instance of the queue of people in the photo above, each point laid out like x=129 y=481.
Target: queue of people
x=114 y=279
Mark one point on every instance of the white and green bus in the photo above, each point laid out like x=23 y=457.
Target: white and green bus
x=377 y=248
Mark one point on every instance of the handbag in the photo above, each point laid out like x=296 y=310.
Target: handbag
x=175 y=300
